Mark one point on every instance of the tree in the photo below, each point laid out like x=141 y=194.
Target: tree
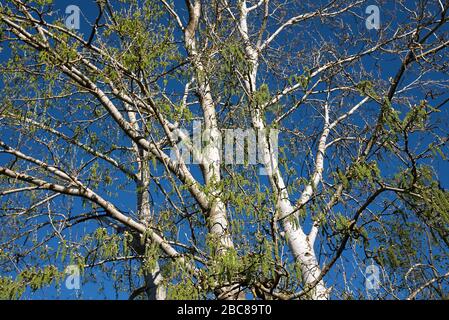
x=112 y=148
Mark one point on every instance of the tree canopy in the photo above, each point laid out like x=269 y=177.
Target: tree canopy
x=113 y=158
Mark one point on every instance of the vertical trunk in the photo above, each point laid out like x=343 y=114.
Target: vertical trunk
x=153 y=280
x=217 y=216
x=143 y=194
x=305 y=256
x=211 y=156
x=300 y=246
x=154 y=286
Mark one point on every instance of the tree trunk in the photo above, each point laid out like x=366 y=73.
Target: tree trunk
x=211 y=155
x=298 y=241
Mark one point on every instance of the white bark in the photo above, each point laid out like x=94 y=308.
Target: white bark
x=154 y=282
x=155 y=288
x=211 y=155
x=300 y=246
